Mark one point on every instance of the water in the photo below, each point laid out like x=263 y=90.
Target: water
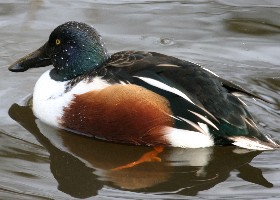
x=237 y=40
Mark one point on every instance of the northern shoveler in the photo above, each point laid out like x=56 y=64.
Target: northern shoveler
x=136 y=97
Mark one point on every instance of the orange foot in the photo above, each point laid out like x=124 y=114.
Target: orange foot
x=150 y=156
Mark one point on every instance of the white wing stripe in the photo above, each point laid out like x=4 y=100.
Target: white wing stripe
x=209 y=71
x=167 y=65
x=165 y=87
x=204 y=119
x=194 y=125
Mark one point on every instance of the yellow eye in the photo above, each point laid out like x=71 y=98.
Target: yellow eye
x=57 y=41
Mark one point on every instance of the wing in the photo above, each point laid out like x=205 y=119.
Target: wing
x=198 y=98
x=237 y=90
x=138 y=60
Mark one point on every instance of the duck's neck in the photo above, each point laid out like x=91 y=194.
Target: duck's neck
x=77 y=64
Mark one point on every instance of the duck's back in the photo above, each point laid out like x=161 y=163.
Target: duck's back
x=195 y=95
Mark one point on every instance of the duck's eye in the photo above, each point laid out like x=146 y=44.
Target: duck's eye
x=57 y=42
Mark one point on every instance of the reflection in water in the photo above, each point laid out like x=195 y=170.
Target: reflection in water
x=252 y=26
x=271 y=84
x=257 y=22
x=82 y=166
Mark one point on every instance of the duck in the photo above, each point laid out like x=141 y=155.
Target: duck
x=136 y=97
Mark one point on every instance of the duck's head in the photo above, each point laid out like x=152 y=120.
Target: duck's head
x=73 y=49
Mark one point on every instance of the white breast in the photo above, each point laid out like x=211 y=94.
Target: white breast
x=49 y=97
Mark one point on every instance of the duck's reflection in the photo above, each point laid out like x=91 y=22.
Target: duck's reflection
x=82 y=166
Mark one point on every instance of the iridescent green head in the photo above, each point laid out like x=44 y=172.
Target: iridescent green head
x=73 y=49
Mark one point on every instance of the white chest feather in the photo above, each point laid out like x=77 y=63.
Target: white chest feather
x=49 y=97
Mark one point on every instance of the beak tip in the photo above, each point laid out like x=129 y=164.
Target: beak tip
x=16 y=67
x=38 y=58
